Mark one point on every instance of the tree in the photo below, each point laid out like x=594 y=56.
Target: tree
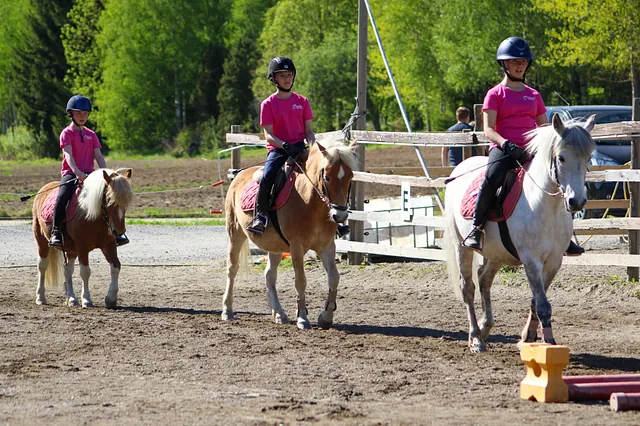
x=38 y=68
x=606 y=33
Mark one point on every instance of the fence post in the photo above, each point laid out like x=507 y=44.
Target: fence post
x=634 y=236
x=479 y=127
x=235 y=154
x=357 y=190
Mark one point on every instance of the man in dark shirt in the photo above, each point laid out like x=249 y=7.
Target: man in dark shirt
x=453 y=156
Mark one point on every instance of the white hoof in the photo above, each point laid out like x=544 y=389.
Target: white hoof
x=477 y=345
x=280 y=317
x=41 y=301
x=303 y=324
x=72 y=301
x=87 y=303
x=227 y=316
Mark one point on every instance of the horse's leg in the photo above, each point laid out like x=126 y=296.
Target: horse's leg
x=297 y=259
x=271 y=275
x=85 y=273
x=70 y=295
x=111 y=255
x=43 y=263
x=486 y=275
x=468 y=288
x=540 y=303
x=328 y=256
x=530 y=331
x=237 y=241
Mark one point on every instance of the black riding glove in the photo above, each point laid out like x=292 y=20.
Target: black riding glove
x=514 y=151
x=293 y=149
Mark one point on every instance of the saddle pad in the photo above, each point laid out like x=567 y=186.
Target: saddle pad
x=469 y=201
x=50 y=204
x=248 y=197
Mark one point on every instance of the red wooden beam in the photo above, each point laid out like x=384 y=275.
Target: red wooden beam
x=602 y=378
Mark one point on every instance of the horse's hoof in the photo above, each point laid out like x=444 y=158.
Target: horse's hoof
x=42 y=301
x=280 y=318
x=87 y=304
x=325 y=325
x=304 y=324
x=227 y=316
x=551 y=341
x=477 y=345
x=72 y=301
x=110 y=303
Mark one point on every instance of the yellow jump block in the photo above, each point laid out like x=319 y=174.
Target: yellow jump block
x=543 y=382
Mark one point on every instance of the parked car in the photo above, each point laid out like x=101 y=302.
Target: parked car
x=607 y=153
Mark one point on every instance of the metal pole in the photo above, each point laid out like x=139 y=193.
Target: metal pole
x=402 y=110
x=357 y=190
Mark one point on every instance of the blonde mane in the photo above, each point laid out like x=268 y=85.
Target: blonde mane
x=337 y=152
x=93 y=191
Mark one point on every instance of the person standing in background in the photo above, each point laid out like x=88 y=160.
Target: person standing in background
x=452 y=156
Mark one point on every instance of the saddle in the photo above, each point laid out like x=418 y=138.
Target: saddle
x=285 y=181
x=507 y=196
x=50 y=204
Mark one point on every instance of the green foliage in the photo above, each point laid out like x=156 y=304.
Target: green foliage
x=18 y=144
x=38 y=69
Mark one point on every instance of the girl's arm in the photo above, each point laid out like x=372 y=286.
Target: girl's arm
x=490 y=117
x=97 y=154
x=67 y=151
x=271 y=138
x=308 y=132
x=541 y=120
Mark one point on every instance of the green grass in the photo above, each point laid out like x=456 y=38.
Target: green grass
x=151 y=212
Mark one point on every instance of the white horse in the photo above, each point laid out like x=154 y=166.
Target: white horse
x=540 y=226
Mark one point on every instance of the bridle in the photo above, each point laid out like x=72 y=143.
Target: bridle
x=553 y=174
x=324 y=195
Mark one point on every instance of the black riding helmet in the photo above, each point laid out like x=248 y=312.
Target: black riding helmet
x=79 y=103
x=514 y=48
x=281 y=64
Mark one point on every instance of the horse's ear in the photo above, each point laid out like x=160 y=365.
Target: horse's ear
x=322 y=149
x=125 y=172
x=591 y=121
x=557 y=123
x=353 y=145
x=106 y=176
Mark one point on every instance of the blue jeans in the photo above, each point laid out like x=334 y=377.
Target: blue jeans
x=275 y=160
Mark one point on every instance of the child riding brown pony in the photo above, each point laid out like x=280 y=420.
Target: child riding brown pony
x=308 y=220
x=100 y=216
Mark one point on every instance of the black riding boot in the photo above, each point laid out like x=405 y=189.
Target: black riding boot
x=56 y=238
x=260 y=219
x=573 y=249
x=484 y=201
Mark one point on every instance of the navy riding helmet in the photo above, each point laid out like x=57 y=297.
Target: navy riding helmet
x=514 y=48
x=79 y=103
x=280 y=64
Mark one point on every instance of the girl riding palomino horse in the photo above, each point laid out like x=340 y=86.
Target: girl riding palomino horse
x=510 y=110
x=80 y=146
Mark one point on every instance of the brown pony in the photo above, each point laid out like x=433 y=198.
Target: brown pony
x=308 y=221
x=102 y=204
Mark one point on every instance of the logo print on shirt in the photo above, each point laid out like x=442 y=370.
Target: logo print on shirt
x=528 y=98
x=296 y=106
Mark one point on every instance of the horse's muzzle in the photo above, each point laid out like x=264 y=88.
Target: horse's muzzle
x=574 y=205
x=338 y=214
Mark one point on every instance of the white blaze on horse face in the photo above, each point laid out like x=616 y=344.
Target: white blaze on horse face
x=341 y=173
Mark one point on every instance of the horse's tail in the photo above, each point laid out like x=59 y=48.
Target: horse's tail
x=54 y=275
x=451 y=245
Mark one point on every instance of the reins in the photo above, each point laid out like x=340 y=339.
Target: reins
x=26 y=197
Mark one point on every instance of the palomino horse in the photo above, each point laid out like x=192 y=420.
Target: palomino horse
x=102 y=204
x=540 y=225
x=308 y=220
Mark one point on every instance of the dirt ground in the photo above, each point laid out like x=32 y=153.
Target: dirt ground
x=397 y=353
x=180 y=181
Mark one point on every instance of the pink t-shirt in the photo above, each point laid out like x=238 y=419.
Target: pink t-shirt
x=287 y=116
x=517 y=111
x=82 y=145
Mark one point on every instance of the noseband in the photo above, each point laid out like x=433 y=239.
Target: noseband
x=325 y=195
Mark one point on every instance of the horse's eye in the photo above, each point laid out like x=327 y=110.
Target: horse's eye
x=561 y=158
x=327 y=178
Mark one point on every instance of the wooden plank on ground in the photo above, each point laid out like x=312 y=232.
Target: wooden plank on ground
x=344 y=246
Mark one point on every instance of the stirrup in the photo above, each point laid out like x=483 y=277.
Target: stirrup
x=56 y=239
x=475 y=239
x=259 y=224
